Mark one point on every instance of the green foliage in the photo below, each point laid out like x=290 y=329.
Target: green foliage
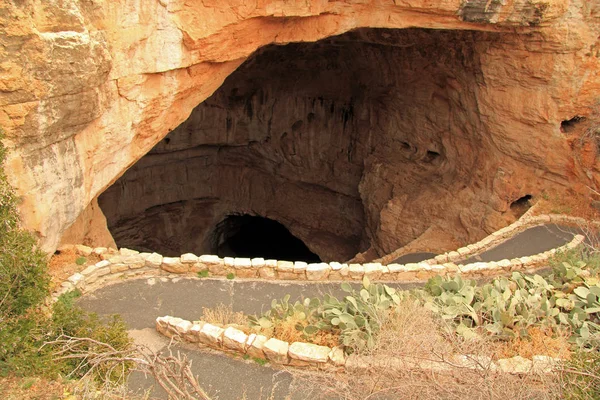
x=260 y=361
x=581 y=376
x=582 y=254
x=70 y=320
x=20 y=340
x=506 y=307
x=357 y=317
x=25 y=326
x=80 y=260
x=203 y=273
x=23 y=279
x=230 y=275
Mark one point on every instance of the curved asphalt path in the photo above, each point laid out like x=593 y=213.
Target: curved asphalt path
x=140 y=301
x=529 y=242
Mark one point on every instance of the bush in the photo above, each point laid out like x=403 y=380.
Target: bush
x=23 y=278
x=70 y=320
x=356 y=318
x=581 y=376
x=25 y=326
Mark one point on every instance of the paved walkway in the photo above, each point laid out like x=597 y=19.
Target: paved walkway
x=531 y=241
x=139 y=302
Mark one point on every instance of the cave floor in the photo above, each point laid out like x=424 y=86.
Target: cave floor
x=140 y=301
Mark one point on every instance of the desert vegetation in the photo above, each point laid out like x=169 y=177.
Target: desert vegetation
x=454 y=322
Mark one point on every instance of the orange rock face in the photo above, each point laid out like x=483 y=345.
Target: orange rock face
x=490 y=102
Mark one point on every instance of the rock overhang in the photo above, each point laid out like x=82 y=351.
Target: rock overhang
x=142 y=71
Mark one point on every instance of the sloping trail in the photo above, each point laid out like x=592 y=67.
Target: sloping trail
x=140 y=301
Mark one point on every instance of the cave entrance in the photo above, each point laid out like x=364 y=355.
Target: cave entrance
x=361 y=143
x=252 y=236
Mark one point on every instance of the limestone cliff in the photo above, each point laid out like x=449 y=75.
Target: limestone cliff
x=476 y=105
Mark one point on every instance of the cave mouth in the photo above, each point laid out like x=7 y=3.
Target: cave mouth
x=252 y=236
x=359 y=144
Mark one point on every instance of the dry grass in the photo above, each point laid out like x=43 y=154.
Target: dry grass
x=224 y=315
x=286 y=330
x=414 y=336
x=567 y=202
x=15 y=388
x=541 y=341
x=63 y=264
x=409 y=330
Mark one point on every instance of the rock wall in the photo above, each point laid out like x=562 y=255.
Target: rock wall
x=88 y=87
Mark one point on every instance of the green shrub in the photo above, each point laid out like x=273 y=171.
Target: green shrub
x=357 y=317
x=581 y=376
x=230 y=275
x=80 y=260
x=203 y=273
x=23 y=278
x=25 y=326
x=70 y=320
x=569 y=298
x=260 y=361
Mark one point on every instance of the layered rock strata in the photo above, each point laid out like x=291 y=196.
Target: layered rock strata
x=442 y=132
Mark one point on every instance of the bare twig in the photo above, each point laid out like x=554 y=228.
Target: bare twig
x=172 y=372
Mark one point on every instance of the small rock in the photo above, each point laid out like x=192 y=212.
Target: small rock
x=99 y=250
x=515 y=365
x=337 y=356
x=335 y=266
x=317 y=271
x=83 y=250
x=128 y=252
x=174 y=265
x=258 y=262
x=188 y=258
x=309 y=352
x=211 y=335
x=76 y=278
x=454 y=256
x=183 y=327
x=235 y=339
x=229 y=262
x=276 y=351
x=255 y=345
x=544 y=364
x=242 y=263
x=267 y=273
x=372 y=270
x=116 y=268
x=300 y=267
x=463 y=251
x=356 y=271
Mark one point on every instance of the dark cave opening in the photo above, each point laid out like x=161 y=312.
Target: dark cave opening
x=521 y=205
x=568 y=126
x=252 y=236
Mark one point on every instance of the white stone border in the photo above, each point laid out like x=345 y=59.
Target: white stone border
x=505 y=234
x=302 y=354
x=126 y=263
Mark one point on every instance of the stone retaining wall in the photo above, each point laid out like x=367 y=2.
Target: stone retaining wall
x=301 y=354
x=125 y=263
x=507 y=233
